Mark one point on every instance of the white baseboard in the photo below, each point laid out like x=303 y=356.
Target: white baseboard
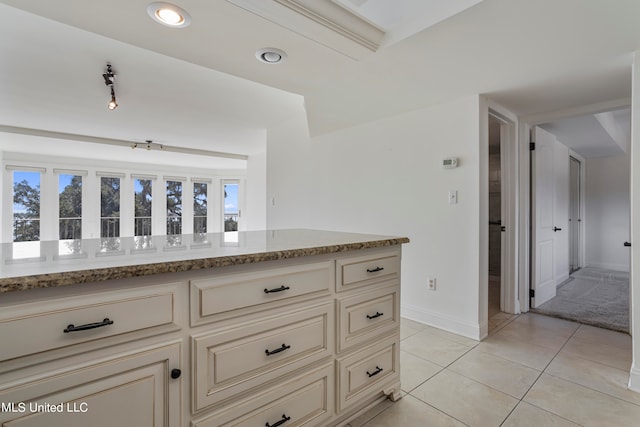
x=474 y=331
x=616 y=267
x=562 y=279
x=634 y=378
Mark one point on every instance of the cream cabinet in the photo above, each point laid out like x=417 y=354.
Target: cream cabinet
x=130 y=389
x=310 y=341
x=93 y=358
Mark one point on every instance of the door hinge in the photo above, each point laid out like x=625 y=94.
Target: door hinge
x=532 y=146
x=532 y=293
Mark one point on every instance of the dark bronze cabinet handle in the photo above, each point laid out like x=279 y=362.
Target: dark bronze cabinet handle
x=378 y=314
x=375 y=270
x=277 y=350
x=73 y=328
x=279 y=423
x=628 y=244
x=175 y=373
x=280 y=289
x=376 y=372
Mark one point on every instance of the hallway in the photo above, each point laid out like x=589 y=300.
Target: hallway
x=534 y=371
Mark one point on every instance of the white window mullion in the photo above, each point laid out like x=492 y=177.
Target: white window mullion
x=48 y=207
x=127 y=211
x=91 y=207
x=215 y=209
x=7 y=206
x=187 y=207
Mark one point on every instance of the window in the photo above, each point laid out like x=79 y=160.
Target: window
x=174 y=207
x=231 y=211
x=26 y=206
x=70 y=206
x=142 y=206
x=109 y=207
x=199 y=208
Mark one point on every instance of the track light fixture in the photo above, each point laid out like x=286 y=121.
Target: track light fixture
x=109 y=80
x=149 y=145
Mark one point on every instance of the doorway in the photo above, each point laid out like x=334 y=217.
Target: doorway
x=495 y=218
x=591 y=284
x=502 y=292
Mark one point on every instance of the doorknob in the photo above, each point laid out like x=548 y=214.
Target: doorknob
x=556 y=229
x=627 y=244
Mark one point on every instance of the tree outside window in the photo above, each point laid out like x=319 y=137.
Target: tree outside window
x=142 y=207
x=70 y=207
x=26 y=206
x=109 y=207
x=174 y=207
x=199 y=208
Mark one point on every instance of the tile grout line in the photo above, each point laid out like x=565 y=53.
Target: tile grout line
x=538 y=378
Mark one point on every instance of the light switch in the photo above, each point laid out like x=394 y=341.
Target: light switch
x=453 y=197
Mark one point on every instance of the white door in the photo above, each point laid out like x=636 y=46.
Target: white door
x=544 y=228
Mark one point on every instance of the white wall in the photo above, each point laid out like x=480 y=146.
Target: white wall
x=255 y=210
x=607 y=212
x=385 y=177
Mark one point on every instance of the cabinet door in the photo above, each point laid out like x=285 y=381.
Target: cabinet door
x=365 y=316
x=134 y=389
x=233 y=361
x=306 y=399
x=369 y=373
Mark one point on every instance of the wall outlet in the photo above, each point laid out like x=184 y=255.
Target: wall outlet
x=431 y=283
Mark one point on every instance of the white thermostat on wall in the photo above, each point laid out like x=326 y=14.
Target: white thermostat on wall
x=450 y=163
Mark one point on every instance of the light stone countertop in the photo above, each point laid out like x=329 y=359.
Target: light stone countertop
x=30 y=265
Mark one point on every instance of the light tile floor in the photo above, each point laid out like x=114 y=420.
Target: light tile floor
x=532 y=371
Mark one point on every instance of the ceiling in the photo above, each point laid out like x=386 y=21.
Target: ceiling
x=202 y=87
x=594 y=135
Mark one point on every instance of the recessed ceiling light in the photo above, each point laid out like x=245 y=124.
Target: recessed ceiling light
x=169 y=14
x=271 y=55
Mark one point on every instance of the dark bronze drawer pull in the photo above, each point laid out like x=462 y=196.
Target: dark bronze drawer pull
x=277 y=350
x=375 y=270
x=376 y=372
x=279 y=423
x=378 y=314
x=280 y=289
x=73 y=328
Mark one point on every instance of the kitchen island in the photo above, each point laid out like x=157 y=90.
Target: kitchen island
x=277 y=327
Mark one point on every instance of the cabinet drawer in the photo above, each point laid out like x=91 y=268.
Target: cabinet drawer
x=363 y=316
x=362 y=271
x=367 y=372
x=305 y=400
x=235 y=360
x=37 y=327
x=129 y=390
x=222 y=297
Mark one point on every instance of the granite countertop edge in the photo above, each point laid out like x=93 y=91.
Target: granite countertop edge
x=50 y=280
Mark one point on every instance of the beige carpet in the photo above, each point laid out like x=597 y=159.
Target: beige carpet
x=592 y=296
